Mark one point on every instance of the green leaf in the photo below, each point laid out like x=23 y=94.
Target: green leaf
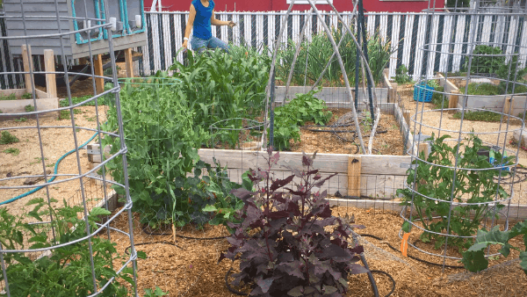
x=523 y=263
x=407 y=227
x=210 y=208
x=141 y=255
x=98 y=211
x=475 y=261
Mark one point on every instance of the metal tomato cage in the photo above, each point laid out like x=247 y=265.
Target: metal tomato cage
x=45 y=106
x=456 y=60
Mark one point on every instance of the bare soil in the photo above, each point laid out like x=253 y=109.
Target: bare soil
x=191 y=268
x=388 y=139
x=55 y=143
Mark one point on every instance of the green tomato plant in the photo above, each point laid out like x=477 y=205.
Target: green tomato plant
x=468 y=186
x=68 y=270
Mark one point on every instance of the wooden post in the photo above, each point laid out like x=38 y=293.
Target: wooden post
x=508 y=105
x=406 y=115
x=49 y=66
x=99 y=82
x=354 y=172
x=28 y=66
x=83 y=61
x=453 y=100
x=423 y=147
x=128 y=60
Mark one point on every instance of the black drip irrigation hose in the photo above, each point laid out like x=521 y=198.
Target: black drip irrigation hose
x=236 y=292
x=184 y=237
x=410 y=256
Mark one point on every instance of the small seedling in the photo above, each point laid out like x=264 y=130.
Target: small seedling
x=27 y=96
x=50 y=165
x=8 y=138
x=29 y=108
x=21 y=120
x=9 y=97
x=64 y=115
x=13 y=151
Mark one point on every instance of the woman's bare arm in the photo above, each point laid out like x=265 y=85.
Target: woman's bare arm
x=190 y=24
x=217 y=22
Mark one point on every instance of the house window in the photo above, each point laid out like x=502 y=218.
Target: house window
x=307 y=2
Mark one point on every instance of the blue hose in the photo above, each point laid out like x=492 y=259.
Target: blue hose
x=53 y=178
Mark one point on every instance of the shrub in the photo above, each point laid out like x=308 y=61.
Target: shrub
x=282 y=242
x=8 y=97
x=8 y=138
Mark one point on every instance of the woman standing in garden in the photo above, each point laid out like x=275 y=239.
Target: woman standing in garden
x=200 y=19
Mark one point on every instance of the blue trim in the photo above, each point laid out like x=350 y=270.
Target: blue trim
x=143 y=21
x=78 y=37
x=121 y=11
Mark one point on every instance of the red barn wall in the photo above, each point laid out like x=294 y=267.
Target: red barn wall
x=267 y=5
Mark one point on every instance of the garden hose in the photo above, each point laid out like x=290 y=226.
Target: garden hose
x=410 y=256
x=184 y=237
x=54 y=172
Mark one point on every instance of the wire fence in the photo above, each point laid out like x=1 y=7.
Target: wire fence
x=407 y=33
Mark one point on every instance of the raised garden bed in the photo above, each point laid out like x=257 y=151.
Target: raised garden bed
x=18 y=105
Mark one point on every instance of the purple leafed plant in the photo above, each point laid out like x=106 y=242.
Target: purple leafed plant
x=283 y=246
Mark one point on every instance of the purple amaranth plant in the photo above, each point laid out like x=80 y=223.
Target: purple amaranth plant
x=282 y=242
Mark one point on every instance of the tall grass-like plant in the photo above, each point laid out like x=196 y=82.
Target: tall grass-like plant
x=319 y=52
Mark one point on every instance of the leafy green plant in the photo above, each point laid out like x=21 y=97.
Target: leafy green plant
x=13 y=151
x=64 y=115
x=29 y=108
x=27 y=96
x=21 y=120
x=440 y=183
x=217 y=87
x=282 y=240
x=8 y=138
x=482 y=89
x=155 y=293
x=67 y=271
x=401 y=75
x=486 y=59
x=162 y=138
x=209 y=197
x=474 y=258
x=288 y=118
x=438 y=99
x=482 y=116
x=11 y=96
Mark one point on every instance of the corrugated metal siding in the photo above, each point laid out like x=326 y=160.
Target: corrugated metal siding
x=37 y=15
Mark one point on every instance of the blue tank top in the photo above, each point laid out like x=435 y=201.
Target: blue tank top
x=202 y=26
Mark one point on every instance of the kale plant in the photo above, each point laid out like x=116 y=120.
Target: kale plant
x=283 y=241
x=474 y=258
